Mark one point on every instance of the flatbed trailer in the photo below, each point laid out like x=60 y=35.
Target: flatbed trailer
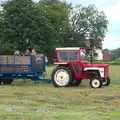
x=22 y=67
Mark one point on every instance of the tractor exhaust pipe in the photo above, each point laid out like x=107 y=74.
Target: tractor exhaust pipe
x=91 y=59
x=91 y=56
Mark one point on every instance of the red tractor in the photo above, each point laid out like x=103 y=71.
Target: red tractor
x=72 y=68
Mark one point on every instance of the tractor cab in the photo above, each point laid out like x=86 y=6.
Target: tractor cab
x=66 y=55
x=72 y=68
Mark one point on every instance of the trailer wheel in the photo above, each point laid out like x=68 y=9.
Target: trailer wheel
x=106 y=82
x=62 y=77
x=96 y=83
x=76 y=82
x=7 y=81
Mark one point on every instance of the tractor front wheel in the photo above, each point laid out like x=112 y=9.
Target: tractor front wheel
x=62 y=77
x=106 y=82
x=96 y=83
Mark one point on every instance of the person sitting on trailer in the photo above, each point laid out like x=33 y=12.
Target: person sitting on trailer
x=33 y=52
x=46 y=59
x=17 y=53
x=27 y=52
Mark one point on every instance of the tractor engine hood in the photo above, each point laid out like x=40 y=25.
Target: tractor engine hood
x=95 y=65
x=102 y=68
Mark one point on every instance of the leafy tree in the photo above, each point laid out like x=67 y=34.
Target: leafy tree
x=5 y=47
x=19 y=22
x=48 y=2
x=57 y=14
x=27 y=24
x=48 y=24
x=115 y=53
x=88 y=20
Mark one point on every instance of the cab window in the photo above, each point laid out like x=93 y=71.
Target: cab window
x=67 y=56
x=82 y=55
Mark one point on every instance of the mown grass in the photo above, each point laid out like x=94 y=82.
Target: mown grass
x=27 y=100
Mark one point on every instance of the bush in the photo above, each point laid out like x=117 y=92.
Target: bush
x=114 y=62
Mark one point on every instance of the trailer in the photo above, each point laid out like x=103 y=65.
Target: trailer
x=22 y=67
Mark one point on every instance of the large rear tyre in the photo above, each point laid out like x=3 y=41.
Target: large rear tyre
x=76 y=82
x=62 y=77
x=7 y=81
x=96 y=83
x=106 y=82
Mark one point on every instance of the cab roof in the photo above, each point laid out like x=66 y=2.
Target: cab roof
x=69 y=48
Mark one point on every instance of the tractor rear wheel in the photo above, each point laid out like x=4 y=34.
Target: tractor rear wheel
x=106 y=82
x=0 y=82
x=7 y=81
x=62 y=76
x=76 y=82
x=96 y=82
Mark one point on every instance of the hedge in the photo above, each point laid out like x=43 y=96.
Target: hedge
x=115 y=62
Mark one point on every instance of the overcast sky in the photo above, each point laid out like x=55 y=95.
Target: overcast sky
x=112 y=11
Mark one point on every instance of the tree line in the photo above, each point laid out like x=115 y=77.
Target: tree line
x=48 y=24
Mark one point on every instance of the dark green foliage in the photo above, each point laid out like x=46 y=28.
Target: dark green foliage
x=46 y=25
x=115 y=53
x=112 y=62
x=88 y=20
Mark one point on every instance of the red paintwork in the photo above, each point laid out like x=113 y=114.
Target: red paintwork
x=82 y=65
x=98 y=66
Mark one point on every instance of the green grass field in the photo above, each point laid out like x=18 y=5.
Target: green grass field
x=27 y=100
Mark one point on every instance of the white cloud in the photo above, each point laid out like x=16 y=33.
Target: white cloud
x=112 y=38
x=112 y=12
x=111 y=42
